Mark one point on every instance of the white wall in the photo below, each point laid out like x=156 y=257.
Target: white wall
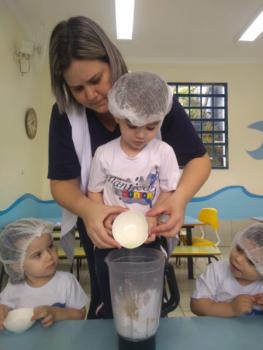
x=21 y=159
x=245 y=91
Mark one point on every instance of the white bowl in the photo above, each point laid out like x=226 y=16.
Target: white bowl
x=130 y=229
x=19 y=320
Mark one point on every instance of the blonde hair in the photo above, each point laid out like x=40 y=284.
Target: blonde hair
x=79 y=38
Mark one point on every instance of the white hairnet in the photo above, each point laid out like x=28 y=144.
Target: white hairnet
x=14 y=240
x=140 y=97
x=250 y=241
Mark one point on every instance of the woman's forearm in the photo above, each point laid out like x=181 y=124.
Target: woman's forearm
x=193 y=177
x=96 y=197
x=68 y=194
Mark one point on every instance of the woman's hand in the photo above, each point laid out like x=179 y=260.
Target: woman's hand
x=174 y=208
x=194 y=175
x=3 y=313
x=94 y=215
x=98 y=219
x=152 y=222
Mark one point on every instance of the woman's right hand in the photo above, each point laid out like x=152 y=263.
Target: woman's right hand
x=96 y=217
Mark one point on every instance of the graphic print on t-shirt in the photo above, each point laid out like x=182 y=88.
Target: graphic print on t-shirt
x=139 y=190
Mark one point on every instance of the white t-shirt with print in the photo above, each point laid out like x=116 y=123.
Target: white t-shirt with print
x=134 y=182
x=62 y=290
x=217 y=283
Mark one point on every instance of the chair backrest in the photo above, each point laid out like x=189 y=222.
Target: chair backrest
x=209 y=216
x=30 y=206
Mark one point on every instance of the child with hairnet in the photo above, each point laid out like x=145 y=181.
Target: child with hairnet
x=137 y=169
x=30 y=259
x=234 y=287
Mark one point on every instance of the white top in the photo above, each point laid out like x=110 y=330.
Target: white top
x=62 y=290
x=217 y=283
x=81 y=139
x=133 y=182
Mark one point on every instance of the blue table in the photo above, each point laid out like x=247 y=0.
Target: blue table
x=205 y=333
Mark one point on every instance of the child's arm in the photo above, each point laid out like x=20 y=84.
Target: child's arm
x=3 y=313
x=240 y=305
x=259 y=299
x=51 y=314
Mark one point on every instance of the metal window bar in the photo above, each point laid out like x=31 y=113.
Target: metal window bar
x=211 y=112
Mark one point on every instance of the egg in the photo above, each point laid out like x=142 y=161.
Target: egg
x=19 y=320
x=130 y=229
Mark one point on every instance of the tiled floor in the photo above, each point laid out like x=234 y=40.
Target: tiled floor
x=185 y=286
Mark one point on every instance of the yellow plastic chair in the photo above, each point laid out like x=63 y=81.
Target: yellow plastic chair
x=209 y=216
x=201 y=247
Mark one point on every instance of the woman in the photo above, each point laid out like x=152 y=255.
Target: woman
x=84 y=64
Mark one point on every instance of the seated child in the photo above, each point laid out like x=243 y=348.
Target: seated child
x=234 y=287
x=30 y=259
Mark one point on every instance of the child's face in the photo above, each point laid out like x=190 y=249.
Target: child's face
x=136 y=138
x=41 y=260
x=241 y=267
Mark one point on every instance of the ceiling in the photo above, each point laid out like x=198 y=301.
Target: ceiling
x=165 y=31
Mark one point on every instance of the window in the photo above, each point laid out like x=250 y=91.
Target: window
x=206 y=105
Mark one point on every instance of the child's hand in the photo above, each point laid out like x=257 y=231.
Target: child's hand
x=259 y=299
x=46 y=313
x=3 y=313
x=152 y=222
x=242 y=304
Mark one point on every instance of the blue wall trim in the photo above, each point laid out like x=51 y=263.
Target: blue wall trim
x=224 y=189
x=232 y=203
x=258 y=152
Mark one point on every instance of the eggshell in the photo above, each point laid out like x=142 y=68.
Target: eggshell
x=130 y=229
x=19 y=320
